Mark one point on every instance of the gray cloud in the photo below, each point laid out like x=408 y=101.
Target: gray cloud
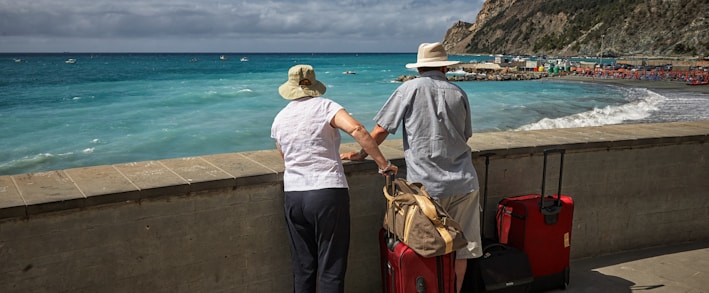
x=214 y=25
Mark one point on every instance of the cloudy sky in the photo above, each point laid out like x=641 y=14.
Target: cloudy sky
x=227 y=25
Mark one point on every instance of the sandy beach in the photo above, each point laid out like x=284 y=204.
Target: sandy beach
x=655 y=85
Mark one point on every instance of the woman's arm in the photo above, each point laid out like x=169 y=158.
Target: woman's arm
x=347 y=123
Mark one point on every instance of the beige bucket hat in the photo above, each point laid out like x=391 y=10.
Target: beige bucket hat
x=301 y=83
x=431 y=55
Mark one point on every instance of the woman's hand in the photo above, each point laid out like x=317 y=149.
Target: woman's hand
x=389 y=169
x=392 y=168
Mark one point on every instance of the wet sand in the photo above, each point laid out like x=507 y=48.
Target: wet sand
x=654 y=85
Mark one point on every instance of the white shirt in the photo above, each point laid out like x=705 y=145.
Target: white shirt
x=310 y=145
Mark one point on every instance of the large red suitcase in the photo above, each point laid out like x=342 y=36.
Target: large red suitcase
x=405 y=271
x=541 y=227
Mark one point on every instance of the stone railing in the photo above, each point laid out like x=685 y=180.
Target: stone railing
x=215 y=223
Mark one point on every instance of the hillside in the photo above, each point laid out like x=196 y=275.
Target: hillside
x=585 y=28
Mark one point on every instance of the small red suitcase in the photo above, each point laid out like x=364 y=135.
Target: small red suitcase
x=405 y=271
x=541 y=227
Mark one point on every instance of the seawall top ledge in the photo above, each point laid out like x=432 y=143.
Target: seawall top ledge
x=27 y=195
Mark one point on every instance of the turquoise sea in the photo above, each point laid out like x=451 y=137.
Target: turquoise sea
x=116 y=108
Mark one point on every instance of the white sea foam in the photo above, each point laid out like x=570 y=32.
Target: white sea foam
x=27 y=161
x=39 y=160
x=459 y=72
x=642 y=103
x=682 y=106
x=228 y=92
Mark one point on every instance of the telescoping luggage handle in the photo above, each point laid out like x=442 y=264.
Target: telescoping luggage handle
x=390 y=237
x=482 y=207
x=551 y=212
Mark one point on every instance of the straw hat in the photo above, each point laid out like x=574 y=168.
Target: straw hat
x=301 y=83
x=431 y=55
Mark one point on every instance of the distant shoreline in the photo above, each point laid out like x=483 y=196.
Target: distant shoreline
x=657 y=85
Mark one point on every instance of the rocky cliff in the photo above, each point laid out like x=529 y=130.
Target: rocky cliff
x=585 y=28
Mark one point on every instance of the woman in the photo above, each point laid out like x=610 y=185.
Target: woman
x=316 y=192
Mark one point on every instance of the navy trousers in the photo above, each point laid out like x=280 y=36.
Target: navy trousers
x=319 y=229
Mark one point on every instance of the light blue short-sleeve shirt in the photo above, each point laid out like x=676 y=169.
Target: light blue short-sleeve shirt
x=310 y=145
x=434 y=115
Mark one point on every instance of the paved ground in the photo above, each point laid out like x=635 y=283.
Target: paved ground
x=672 y=268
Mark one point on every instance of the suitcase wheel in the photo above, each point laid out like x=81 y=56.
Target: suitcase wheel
x=420 y=285
x=567 y=277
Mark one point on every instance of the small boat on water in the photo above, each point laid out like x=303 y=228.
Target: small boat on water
x=698 y=82
x=223 y=58
x=70 y=61
x=244 y=59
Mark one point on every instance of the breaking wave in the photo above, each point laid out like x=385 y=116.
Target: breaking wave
x=641 y=104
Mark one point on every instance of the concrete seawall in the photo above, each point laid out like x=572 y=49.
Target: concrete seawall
x=214 y=223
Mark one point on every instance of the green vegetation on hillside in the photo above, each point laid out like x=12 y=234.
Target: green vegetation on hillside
x=587 y=14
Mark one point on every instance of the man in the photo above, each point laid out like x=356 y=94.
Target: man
x=434 y=115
